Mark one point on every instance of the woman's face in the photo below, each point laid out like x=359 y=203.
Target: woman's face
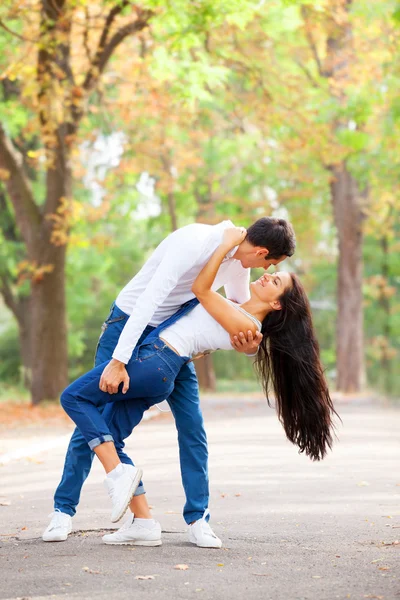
x=270 y=287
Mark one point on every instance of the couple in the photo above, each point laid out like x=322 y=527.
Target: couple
x=166 y=315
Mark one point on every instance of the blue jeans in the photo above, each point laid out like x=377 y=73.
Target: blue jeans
x=121 y=417
x=152 y=371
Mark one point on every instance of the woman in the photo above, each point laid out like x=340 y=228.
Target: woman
x=288 y=358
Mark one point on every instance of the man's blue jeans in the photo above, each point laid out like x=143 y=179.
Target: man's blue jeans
x=124 y=415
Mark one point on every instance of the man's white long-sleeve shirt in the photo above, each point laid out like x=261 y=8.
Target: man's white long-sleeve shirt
x=165 y=281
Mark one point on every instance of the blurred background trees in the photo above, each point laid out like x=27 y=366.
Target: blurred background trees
x=120 y=122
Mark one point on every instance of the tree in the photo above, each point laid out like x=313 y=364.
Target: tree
x=58 y=104
x=58 y=53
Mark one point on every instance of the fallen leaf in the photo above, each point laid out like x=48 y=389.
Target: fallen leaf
x=372 y=596
x=4 y=503
x=384 y=568
x=223 y=495
x=24 y=528
x=87 y=570
x=376 y=560
x=144 y=577
x=237 y=495
x=181 y=567
x=220 y=564
x=198 y=589
x=395 y=543
x=363 y=484
x=316 y=577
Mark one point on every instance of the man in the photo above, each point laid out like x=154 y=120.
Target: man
x=162 y=285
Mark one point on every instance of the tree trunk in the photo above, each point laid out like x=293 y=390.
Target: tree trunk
x=48 y=327
x=49 y=331
x=172 y=211
x=348 y=215
x=386 y=363
x=205 y=373
x=24 y=335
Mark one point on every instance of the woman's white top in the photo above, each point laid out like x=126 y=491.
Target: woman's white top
x=199 y=332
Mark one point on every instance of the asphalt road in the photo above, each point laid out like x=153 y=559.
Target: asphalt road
x=291 y=529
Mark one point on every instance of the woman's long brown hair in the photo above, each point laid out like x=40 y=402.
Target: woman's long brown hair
x=289 y=359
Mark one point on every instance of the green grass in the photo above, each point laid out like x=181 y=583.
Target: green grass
x=14 y=394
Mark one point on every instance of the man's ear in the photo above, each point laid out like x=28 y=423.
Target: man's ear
x=262 y=251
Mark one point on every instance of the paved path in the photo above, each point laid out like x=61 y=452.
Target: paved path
x=291 y=529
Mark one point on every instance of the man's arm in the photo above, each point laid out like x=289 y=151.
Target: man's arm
x=172 y=267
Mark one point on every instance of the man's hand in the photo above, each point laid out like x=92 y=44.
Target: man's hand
x=114 y=374
x=249 y=345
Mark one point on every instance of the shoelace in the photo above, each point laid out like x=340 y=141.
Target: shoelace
x=57 y=519
x=206 y=527
x=110 y=488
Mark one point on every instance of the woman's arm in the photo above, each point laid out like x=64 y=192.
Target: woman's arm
x=226 y=315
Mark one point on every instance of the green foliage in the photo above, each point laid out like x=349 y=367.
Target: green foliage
x=222 y=102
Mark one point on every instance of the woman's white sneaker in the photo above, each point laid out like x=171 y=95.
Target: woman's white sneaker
x=201 y=534
x=136 y=532
x=59 y=527
x=121 y=485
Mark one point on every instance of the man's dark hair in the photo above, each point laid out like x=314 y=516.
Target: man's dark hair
x=277 y=235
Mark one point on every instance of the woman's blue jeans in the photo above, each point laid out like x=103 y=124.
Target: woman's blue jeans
x=152 y=371
x=121 y=418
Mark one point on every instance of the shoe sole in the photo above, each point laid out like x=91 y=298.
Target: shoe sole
x=57 y=539
x=191 y=541
x=132 y=490
x=204 y=546
x=136 y=543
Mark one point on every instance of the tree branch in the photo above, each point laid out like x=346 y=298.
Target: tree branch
x=18 y=187
x=7 y=222
x=8 y=296
x=305 y=14
x=105 y=49
x=307 y=73
x=17 y=35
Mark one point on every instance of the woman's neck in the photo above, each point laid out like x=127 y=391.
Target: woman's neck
x=256 y=308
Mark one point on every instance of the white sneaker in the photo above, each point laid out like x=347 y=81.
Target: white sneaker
x=59 y=528
x=201 y=534
x=134 y=533
x=121 y=485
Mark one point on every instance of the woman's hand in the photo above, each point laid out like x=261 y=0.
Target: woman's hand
x=233 y=237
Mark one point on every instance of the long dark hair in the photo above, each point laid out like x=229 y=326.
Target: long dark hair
x=288 y=359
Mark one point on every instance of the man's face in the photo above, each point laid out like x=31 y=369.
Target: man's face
x=259 y=260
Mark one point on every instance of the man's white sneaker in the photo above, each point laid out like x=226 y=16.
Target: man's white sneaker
x=135 y=532
x=201 y=534
x=59 y=528
x=121 y=484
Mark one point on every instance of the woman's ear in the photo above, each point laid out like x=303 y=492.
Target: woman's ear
x=276 y=305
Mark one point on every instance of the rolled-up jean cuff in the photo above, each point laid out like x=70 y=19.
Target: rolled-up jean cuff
x=100 y=440
x=140 y=490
